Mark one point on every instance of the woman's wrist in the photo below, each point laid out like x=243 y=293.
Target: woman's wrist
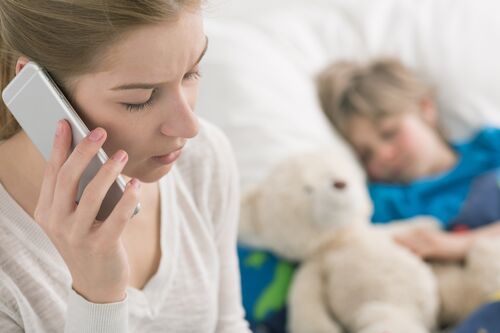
x=101 y=297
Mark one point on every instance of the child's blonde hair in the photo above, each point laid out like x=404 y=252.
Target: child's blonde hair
x=381 y=88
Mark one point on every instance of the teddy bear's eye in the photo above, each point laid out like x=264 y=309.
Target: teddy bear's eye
x=339 y=184
x=308 y=189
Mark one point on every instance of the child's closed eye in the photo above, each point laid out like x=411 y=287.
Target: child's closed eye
x=389 y=133
x=388 y=129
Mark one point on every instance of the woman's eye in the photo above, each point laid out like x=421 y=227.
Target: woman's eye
x=140 y=106
x=137 y=107
x=194 y=75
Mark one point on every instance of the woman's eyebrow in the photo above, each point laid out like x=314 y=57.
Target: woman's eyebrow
x=149 y=86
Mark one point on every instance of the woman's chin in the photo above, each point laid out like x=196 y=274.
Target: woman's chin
x=152 y=176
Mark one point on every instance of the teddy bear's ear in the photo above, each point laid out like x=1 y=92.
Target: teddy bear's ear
x=249 y=229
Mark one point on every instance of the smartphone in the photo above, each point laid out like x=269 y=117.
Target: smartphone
x=38 y=104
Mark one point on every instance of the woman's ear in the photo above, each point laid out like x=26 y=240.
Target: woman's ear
x=428 y=111
x=21 y=62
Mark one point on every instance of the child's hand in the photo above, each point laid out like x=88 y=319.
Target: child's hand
x=435 y=244
x=93 y=251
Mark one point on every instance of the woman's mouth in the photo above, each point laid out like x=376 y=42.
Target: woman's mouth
x=168 y=158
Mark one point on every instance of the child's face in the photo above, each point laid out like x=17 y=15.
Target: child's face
x=144 y=96
x=397 y=148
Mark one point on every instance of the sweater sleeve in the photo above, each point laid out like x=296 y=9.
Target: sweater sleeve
x=230 y=309
x=86 y=317
x=7 y=323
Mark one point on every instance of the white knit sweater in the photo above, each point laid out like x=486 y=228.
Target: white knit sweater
x=196 y=287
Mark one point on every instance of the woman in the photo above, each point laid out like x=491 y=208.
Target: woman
x=131 y=70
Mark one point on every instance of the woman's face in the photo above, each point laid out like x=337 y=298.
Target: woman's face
x=144 y=94
x=396 y=149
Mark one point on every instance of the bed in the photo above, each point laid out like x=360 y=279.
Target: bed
x=258 y=74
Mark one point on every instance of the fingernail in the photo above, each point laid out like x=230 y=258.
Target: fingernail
x=96 y=134
x=119 y=156
x=59 y=128
x=135 y=183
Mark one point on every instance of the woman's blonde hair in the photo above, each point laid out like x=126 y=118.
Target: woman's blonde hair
x=375 y=90
x=67 y=37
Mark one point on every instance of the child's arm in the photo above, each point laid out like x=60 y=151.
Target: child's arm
x=441 y=245
x=435 y=244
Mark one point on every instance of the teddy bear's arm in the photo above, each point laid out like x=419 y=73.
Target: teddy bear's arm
x=308 y=309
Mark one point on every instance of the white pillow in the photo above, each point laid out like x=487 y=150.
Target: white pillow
x=258 y=73
x=266 y=106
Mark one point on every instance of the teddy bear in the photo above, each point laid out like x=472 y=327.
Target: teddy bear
x=314 y=208
x=464 y=287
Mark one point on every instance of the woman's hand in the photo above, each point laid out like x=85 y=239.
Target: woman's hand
x=435 y=244
x=92 y=250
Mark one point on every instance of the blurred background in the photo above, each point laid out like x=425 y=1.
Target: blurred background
x=258 y=74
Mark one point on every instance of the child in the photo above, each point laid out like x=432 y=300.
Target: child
x=390 y=118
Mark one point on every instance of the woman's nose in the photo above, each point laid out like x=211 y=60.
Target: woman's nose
x=179 y=118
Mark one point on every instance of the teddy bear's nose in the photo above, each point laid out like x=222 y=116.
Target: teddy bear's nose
x=339 y=184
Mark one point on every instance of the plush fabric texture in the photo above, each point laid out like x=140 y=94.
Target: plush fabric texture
x=312 y=209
